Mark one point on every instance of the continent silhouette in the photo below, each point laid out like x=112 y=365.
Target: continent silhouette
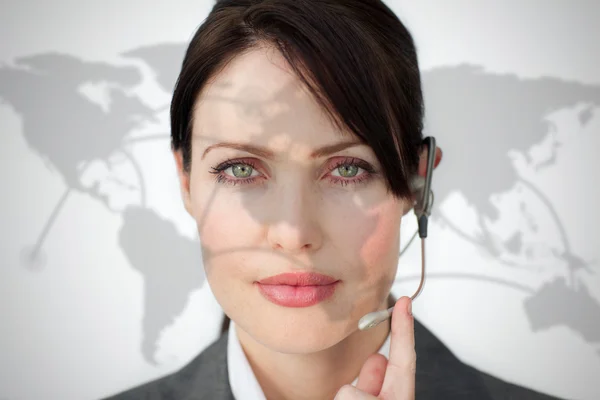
x=573 y=308
x=477 y=117
x=60 y=123
x=170 y=264
x=164 y=59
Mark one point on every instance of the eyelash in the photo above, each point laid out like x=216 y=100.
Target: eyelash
x=221 y=177
x=366 y=175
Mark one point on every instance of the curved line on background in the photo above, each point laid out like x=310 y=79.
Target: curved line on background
x=544 y=199
x=466 y=276
x=138 y=171
x=146 y=138
x=50 y=221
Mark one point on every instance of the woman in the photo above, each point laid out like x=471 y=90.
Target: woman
x=296 y=129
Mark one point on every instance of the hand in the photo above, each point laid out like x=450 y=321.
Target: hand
x=393 y=379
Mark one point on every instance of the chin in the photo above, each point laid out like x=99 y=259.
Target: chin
x=300 y=334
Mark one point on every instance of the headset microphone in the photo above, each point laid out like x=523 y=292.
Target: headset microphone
x=421 y=188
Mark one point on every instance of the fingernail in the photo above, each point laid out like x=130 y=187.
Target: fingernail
x=409 y=308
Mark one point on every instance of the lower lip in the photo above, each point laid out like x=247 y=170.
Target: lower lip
x=296 y=296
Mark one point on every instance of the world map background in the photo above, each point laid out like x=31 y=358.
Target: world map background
x=103 y=197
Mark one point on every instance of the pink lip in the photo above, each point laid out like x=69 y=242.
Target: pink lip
x=297 y=289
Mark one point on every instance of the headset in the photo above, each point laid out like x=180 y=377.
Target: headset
x=423 y=195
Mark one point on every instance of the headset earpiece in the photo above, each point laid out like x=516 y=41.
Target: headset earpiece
x=421 y=187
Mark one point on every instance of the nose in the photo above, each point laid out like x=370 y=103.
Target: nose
x=295 y=227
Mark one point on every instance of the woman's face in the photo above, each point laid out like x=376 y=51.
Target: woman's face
x=275 y=188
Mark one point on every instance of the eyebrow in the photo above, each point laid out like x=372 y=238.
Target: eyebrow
x=266 y=153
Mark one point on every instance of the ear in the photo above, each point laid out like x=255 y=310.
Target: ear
x=422 y=170
x=184 y=180
x=419 y=179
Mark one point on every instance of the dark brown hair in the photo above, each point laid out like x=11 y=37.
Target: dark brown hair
x=355 y=56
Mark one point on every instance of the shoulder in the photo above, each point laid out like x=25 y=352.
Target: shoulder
x=440 y=374
x=203 y=378
x=500 y=389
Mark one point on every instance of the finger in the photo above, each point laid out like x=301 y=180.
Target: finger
x=349 y=392
x=371 y=374
x=399 y=381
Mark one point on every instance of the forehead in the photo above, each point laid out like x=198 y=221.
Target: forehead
x=258 y=99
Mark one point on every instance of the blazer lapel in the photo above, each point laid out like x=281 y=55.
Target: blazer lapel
x=206 y=377
x=440 y=374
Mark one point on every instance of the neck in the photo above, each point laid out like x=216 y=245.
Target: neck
x=315 y=375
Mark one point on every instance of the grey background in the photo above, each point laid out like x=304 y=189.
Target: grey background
x=101 y=283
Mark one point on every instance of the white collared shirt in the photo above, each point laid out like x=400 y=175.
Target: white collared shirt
x=244 y=385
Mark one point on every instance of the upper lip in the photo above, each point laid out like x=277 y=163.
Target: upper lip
x=299 y=279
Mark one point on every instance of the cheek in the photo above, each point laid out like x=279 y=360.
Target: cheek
x=229 y=236
x=225 y=225
x=371 y=235
x=381 y=246
x=225 y=233
x=379 y=249
x=376 y=246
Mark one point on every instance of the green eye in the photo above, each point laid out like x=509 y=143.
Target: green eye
x=348 y=171
x=241 y=170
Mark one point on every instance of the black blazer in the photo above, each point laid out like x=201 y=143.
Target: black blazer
x=440 y=376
